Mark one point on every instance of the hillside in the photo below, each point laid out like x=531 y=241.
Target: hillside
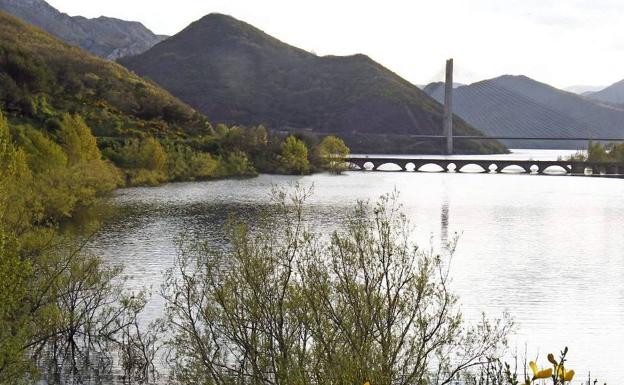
x=103 y=36
x=42 y=77
x=520 y=106
x=235 y=73
x=614 y=94
x=54 y=94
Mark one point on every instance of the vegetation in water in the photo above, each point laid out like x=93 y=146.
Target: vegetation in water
x=61 y=309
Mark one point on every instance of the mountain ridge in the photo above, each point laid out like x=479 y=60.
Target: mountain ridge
x=613 y=94
x=237 y=74
x=107 y=37
x=516 y=105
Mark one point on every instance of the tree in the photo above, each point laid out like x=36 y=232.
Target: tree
x=77 y=140
x=294 y=156
x=58 y=303
x=14 y=324
x=236 y=163
x=333 y=153
x=152 y=156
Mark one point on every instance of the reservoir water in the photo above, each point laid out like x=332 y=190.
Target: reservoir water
x=547 y=249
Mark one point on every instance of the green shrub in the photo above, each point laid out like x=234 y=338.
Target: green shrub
x=294 y=156
x=237 y=163
x=332 y=152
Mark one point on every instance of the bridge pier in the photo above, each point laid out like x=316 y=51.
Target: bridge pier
x=613 y=170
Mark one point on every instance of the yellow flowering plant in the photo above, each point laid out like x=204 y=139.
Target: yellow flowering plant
x=558 y=373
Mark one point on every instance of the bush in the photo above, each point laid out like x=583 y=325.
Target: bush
x=237 y=163
x=286 y=306
x=294 y=156
x=203 y=166
x=333 y=153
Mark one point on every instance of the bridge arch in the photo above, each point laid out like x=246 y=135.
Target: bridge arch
x=513 y=169
x=430 y=167
x=390 y=166
x=479 y=165
x=555 y=169
x=368 y=166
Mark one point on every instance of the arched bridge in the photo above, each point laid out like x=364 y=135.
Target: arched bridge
x=489 y=165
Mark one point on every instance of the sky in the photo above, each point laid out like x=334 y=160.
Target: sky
x=560 y=42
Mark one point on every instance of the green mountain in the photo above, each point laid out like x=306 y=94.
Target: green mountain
x=106 y=37
x=235 y=73
x=42 y=77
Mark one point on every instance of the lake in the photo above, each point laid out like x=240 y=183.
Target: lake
x=548 y=249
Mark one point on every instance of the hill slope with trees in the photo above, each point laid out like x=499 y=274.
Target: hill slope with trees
x=47 y=85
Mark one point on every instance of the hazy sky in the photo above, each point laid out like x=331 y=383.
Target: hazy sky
x=561 y=42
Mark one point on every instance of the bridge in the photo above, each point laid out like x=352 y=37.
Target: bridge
x=612 y=169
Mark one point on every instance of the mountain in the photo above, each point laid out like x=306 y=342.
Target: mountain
x=236 y=74
x=613 y=94
x=42 y=77
x=520 y=106
x=583 y=89
x=103 y=36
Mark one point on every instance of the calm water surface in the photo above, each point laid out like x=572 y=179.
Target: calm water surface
x=548 y=249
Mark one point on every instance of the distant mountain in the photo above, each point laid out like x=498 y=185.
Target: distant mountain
x=237 y=74
x=103 y=36
x=613 y=94
x=41 y=78
x=520 y=106
x=583 y=89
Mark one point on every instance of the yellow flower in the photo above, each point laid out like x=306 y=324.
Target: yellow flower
x=539 y=374
x=367 y=383
x=546 y=373
x=551 y=359
x=568 y=375
x=533 y=367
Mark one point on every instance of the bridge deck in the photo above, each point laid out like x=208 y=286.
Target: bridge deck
x=490 y=165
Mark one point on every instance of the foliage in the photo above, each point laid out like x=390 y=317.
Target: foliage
x=333 y=152
x=294 y=156
x=286 y=306
x=597 y=152
x=613 y=152
x=60 y=308
x=236 y=163
x=41 y=78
